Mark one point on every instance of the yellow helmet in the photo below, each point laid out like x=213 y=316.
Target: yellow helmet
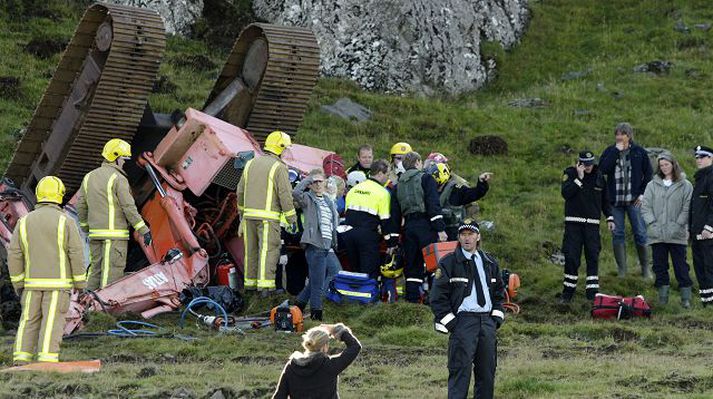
x=401 y=149
x=116 y=148
x=50 y=189
x=277 y=141
x=389 y=270
x=441 y=172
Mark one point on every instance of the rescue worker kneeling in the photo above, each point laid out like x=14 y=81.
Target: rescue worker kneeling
x=104 y=205
x=467 y=302
x=46 y=260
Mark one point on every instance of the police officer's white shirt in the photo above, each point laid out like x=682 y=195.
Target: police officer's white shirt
x=470 y=303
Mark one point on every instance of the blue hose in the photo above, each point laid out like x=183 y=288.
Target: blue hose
x=123 y=331
x=204 y=300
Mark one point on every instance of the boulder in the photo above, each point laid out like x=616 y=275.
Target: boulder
x=178 y=15
x=422 y=46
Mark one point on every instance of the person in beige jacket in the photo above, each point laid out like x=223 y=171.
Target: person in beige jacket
x=665 y=209
x=264 y=198
x=106 y=208
x=46 y=261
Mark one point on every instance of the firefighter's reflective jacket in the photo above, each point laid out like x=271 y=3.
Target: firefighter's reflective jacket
x=105 y=204
x=264 y=191
x=46 y=251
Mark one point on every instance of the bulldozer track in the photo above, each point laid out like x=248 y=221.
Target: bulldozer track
x=114 y=110
x=281 y=98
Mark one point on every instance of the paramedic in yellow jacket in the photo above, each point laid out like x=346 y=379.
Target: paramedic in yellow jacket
x=46 y=260
x=264 y=198
x=104 y=205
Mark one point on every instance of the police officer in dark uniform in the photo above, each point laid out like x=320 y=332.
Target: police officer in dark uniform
x=585 y=193
x=368 y=213
x=701 y=223
x=418 y=200
x=467 y=302
x=455 y=194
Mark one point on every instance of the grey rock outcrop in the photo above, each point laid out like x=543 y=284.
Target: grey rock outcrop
x=178 y=15
x=422 y=46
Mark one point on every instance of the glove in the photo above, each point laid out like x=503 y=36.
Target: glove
x=283 y=260
x=498 y=322
x=147 y=238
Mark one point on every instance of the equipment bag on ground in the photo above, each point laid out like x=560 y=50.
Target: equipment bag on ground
x=433 y=253
x=353 y=287
x=617 y=307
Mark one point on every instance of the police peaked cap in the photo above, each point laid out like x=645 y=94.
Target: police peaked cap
x=704 y=151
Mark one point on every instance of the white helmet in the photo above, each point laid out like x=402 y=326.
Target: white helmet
x=355 y=177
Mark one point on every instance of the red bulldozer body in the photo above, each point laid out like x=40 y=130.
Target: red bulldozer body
x=189 y=161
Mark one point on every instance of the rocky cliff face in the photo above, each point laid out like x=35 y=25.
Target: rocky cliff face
x=422 y=46
x=178 y=15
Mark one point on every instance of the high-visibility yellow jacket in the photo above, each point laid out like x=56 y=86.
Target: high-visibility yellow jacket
x=46 y=251
x=105 y=203
x=264 y=191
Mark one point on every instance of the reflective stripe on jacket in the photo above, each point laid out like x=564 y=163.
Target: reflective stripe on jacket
x=46 y=251
x=264 y=191
x=105 y=204
x=368 y=205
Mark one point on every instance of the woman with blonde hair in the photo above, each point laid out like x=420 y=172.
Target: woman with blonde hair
x=313 y=374
x=665 y=210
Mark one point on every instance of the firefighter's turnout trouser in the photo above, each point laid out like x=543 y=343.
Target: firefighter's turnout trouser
x=41 y=325
x=262 y=252
x=108 y=261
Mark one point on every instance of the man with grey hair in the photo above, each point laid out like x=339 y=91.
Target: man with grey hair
x=628 y=171
x=417 y=194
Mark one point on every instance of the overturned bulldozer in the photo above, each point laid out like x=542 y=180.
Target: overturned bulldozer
x=187 y=164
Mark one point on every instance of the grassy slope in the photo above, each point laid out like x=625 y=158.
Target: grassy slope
x=546 y=351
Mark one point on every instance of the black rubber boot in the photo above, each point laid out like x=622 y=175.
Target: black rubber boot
x=620 y=256
x=316 y=314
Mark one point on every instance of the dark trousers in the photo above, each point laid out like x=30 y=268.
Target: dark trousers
x=417 y=234
x=472 y=343
x=660 y=253
x=703 y=266
x=576 y=237
x=362 y=247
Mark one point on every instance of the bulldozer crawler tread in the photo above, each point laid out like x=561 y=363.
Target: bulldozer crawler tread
x=288 y=80
x=120 y=94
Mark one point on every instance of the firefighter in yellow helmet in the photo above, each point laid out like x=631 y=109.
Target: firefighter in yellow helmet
x=46 y=261
x=398 y=151
x=106 y=209
x=264 y=198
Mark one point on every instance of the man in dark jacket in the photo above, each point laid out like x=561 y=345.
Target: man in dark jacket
x=628 y=171
x=313 y=373
x=585 y=193
x=417 y=194
x=455 y=195
x=701 y=223
x=365 y=156
x=467 y=302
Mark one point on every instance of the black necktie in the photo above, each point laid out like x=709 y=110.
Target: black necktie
x=478 y=284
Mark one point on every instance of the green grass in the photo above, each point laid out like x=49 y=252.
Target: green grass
x=547 y=351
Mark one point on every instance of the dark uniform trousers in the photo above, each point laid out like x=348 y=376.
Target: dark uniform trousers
x=578 y=236
x=703 y=265
x=472 y=343
x=362 y=247
x=417 y=235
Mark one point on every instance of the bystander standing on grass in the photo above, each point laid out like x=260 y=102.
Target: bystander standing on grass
x=701 y=223
x=665 y=210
